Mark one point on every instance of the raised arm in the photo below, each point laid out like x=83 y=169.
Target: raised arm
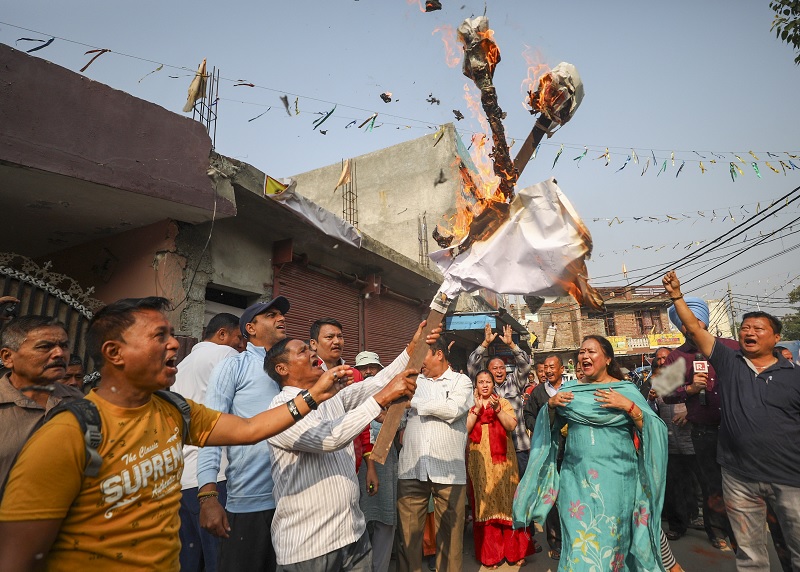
x=522 y=364
x=318 y=435
x=476 y=359
x=233 y=430
x=702 y=338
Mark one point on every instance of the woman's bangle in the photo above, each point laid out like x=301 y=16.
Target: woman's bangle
x=630 y=409
x=207 y=495
x=639 y=417
x=676 y=297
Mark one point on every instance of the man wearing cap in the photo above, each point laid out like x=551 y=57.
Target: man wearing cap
x=240 y=386
x=701 y=393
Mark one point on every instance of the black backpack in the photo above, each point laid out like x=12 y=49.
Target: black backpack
x=88 y=417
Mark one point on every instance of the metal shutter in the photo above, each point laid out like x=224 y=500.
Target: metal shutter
x=390 y=324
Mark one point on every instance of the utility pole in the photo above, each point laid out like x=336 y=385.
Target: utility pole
x=733 y=312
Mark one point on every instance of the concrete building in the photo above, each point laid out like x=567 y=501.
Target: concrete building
x=635 y=322
x=396 y=187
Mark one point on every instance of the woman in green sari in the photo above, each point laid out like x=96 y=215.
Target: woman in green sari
x=611 y=486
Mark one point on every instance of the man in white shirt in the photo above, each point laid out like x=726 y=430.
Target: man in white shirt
x=222 y=339
x=432 y=463
x=318 y=525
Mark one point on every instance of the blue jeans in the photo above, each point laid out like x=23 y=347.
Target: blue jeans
x=746 y=503
x=199 y=549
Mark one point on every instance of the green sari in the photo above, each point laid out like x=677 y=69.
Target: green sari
x=609 y=495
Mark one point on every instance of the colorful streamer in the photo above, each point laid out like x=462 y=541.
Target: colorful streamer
x=97 y=53
x=321 y=120
x=680 y=169
x=45 y=43
x=624 y=164
x=561 y=150
x=259 y=115
x=647 y=166
x=581 y=156
x=755 y=168
x=158 y=69
x=663 y=168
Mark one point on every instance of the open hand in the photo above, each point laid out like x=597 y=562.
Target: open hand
x=611 y=399
x=560 y=399
x=507 y=338
x=488 y=334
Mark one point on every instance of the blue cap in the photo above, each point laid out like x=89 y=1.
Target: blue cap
x=251 y=312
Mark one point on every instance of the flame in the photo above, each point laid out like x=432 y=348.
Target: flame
x=420 y=3
x=537 y=72
x=490 y=49
x=452 y=53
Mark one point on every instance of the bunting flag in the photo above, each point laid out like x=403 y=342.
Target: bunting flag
x=625 y=164
x=45 y=43
x=561 y=150
x=702 y=168
x=273 y=186
x=733 y=172
x=321 y=120
x=259 y=115
x=755 y=168
x=647 y=166
x=681 y=169
x=345 y=177
x=368 y=119
x=607 y=157
x=285 y=101
x=663 y=168
x=773 y=168
x=296 y=106
x=635 y=157
x=97 y=53
x=158 y=69
x=581 y=156
x=197 y=89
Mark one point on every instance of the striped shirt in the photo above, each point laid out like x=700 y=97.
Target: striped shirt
x=436 y=431
x=314 y=469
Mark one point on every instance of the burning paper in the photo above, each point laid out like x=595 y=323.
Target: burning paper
x=559 y=94
x=537 y=247
x=669 y=378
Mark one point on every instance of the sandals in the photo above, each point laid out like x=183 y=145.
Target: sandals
x=720 y=544
x=518 y=563
x=554 y=554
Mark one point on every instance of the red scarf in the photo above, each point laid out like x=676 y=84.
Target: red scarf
x=497 y=434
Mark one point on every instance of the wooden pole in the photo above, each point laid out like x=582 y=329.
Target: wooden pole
x=395 y=413
x=531 y=143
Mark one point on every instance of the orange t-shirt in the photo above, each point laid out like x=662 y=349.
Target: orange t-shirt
x=126 y=518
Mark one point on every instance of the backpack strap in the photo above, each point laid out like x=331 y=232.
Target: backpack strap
x=89 y=420
x=179 y=402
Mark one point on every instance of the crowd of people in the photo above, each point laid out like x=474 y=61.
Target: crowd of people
x=259 y=458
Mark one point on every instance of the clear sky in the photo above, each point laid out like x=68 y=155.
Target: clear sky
x=660 y=77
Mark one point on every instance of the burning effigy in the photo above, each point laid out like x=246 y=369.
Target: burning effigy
x=529 y=242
